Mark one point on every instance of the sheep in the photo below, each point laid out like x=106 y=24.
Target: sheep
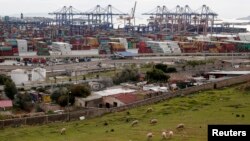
x=153 y=121
x=167 y=134
x=164 y=135
x=63 y=130
x=180 y=126
x=149 y=135
x=170 y=134
x=135 y=122
x=149 y=110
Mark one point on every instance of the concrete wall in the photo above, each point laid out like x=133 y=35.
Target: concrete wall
x=111 y=100
x=81 y=102
x=95 y=112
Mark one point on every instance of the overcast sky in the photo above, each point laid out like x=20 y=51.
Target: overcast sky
x=225 y=8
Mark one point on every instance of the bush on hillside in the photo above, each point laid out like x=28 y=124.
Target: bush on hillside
x=156 y=75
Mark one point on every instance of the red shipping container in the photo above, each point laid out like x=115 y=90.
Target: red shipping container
x=43 y=61
x=230 y=47
x=142 y=44
x=6 y=53
x=15 y=50
x=145 y=50
x=35 y=60
x=102 y=52
x=86 y=47
x=27 y=59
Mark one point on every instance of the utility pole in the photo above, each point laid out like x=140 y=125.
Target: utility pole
x=76 y=75
x=232 y=59
x=68 y=106
x=205 y=62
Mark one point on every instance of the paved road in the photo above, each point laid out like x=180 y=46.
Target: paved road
x=93 y=64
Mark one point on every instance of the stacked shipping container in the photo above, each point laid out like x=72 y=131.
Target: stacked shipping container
x=42 y=49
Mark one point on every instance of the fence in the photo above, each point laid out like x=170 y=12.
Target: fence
x=99 y=112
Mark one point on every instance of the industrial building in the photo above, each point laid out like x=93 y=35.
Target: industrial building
x=21 y=76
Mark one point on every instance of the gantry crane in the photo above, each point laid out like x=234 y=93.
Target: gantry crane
x=127 y=19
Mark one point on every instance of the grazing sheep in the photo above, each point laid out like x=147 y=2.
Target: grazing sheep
x=149 y=135
x=135 y=122
x=164 y=135
x=170 y=134
x=153 y=121
x=180 y=126
x=63 y=130
x=149 y=110
x=167 y=134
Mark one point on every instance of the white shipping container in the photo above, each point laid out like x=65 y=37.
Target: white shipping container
x=164 y=47
x=62 y=47
x=22 y=46
x=244 y=36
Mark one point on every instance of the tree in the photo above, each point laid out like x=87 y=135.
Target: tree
x=41 y=89
x=162 y=67
x=23 y=101
x=165 y=68
x=171 y=70
x=10 y=89
x=55 y=96
x=126 y=75
x=64 y=99
x=57 y=93
x=80 y=90
x=156 y=75
x=3 y=79
x=60 y=96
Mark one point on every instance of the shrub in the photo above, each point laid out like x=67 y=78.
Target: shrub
x=10 y=89
x=80 y=90
x=128 y=74
x=156 y=75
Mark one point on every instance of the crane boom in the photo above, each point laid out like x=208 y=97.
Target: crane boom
x=133 y=13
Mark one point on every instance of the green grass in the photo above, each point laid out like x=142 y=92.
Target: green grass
x=195 y=111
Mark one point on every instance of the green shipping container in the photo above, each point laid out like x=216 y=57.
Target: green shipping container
x=130 y=45
x=5 y=48
x=12 y=42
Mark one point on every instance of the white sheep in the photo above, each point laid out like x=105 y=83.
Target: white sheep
x=63 y=130
x=135 y=122
x=153 y=121
x=149 y=135
x=180 y=126
x=149 y=110
x=167 y=134
x=170 y=134
x=164 y=135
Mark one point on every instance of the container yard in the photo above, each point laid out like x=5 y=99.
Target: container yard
x=109 y=45
x=62 y=36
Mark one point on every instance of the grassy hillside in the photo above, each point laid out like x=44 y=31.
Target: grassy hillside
x=226 y=106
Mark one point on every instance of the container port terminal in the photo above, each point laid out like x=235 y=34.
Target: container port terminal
x=69 y=33
x=182 y=29
x=124 y=72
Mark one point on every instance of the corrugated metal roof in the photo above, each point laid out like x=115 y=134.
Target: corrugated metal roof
x=126 y=98
x=230 y=72
x=5 y=103
x=91 y=97
x=114 y=91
